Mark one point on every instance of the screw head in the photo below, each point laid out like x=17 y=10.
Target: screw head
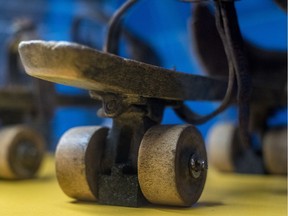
x=111 y=106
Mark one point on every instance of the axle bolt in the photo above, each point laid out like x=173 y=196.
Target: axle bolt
x=197 y=166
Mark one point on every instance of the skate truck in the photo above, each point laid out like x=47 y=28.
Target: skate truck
x=138 y=160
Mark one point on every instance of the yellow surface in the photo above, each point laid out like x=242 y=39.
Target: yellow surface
x=227 y=194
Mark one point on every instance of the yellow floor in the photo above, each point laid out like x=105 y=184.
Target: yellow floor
x=227 y=194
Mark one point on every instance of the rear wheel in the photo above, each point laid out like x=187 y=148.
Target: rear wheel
x=220 y=146
x=21 y=152
x=275 y=151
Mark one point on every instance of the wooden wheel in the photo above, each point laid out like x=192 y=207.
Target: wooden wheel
x=172 y=165
x=78 y=156
x=275 y=151
x=21 y=152
x=220 y=146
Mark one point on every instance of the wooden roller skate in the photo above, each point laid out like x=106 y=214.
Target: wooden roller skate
x=26 y=108
x=138 y=159
x=266 y=151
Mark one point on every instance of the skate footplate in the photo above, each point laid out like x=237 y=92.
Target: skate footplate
x=138 y=159
x=80 y=66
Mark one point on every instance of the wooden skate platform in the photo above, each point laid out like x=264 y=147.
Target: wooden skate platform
x=224 y=194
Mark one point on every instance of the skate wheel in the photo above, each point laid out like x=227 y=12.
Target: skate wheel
x=172 y=165
x=220 y=143
x=275 y=151
x=21 y=152
x=78 y=157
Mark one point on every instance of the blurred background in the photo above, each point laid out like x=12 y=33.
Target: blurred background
x=162 y=24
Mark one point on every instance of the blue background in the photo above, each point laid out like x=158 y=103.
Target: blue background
x=163 y=23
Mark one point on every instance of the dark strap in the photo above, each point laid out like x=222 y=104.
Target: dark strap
x=114 y=28
x=228 y=27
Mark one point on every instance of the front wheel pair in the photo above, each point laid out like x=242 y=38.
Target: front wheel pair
x=224 y=149
x=171 y=163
